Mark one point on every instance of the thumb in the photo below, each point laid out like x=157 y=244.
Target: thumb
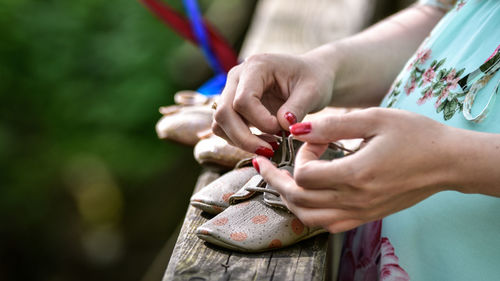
x=358 y=124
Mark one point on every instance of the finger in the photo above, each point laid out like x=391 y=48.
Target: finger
x=298 y=104
x=217 y=130
x=318 y=198
x=270 y=139
x=281 y=180
x=248 y=99
x=234 y=127
x=357 y=124
x=344 y=225
x=311 y=173
x=323 y=217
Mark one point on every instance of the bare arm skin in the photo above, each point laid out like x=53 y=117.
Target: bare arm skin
x=407 y=157
x=366 y=64
x=272 y=91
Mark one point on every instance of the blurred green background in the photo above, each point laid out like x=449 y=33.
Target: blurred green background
x=87 y=191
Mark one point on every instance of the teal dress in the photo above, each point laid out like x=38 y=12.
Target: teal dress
x=453 y=78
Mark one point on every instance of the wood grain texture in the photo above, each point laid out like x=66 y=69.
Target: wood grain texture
x=193 y=259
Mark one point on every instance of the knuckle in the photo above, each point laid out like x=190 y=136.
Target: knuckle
x=243 y=142
x=293 y=197
x=312 y=88
x=256 y=59
x=301 y=175
x=234 y=72
x=219 y=115
x=375 y=114
x=363 y=178
x=216 y=129
x=363 y=202
x=240 y=102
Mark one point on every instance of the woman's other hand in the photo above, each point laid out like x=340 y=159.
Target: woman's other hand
x=405 y=158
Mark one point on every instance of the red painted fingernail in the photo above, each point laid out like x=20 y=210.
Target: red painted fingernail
x=264 y=151
x=256 y=165
x=280 y=132
x=274 y=144
x=290 y=117
x=301 y=128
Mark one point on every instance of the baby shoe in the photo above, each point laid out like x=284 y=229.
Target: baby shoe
x=216 y=150
x=257 y=224
x=214 y=197
x=257 y=219
x=182 y=122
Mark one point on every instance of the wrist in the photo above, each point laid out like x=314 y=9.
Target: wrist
x=476 y=162
x=329 y=61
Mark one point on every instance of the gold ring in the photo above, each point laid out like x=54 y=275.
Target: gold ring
x=214 y=105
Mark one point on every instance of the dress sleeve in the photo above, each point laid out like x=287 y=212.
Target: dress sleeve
x=445 y=5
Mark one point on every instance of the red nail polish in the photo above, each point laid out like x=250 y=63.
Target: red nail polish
x=256 y=165
x=280 y=133
x=274 y=144
x=301 y=128
x=290 y=117
x=264 y=151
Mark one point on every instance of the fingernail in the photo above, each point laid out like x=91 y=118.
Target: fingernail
x=290 y=117
x=264 y=151
x=281 y=132
x=274 y=144
x=256 y=165
x=301 y=128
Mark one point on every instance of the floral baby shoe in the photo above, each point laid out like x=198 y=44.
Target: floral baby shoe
x=254 y=226
x=214 y=197
x=257 y=219
x=257 y=224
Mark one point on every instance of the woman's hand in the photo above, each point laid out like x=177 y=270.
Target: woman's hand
x=405 y=158
x=270 y=92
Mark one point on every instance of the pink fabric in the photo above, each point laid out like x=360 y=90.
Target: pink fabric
x=369 y=257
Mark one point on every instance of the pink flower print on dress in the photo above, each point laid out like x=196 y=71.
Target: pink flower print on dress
x=443 y=96
x=389 y=263
x=425 y=97
x=494 y=53
x=461 y=4
x=367 y=256
x=410 y=87
x=452 y=80
x=423 y=55
x=361 y=249
x=428 y=75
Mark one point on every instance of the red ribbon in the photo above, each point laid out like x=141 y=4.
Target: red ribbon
x=225 y=54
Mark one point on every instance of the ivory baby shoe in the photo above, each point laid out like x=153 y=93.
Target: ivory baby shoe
x=214 y=197
x=182 y=122
x=216 y=150
x=257 y=219
x=258 y=224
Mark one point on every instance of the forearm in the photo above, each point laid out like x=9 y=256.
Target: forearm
x=476 y=167
x=365 y=65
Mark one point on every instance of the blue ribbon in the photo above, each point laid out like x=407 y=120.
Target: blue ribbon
x=200 y=32
x=215 y=85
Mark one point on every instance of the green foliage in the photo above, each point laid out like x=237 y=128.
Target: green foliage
x=81 y=80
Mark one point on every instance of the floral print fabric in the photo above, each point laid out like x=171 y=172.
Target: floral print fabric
x=368 y=256
x=448 y=236
x=443 y=4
